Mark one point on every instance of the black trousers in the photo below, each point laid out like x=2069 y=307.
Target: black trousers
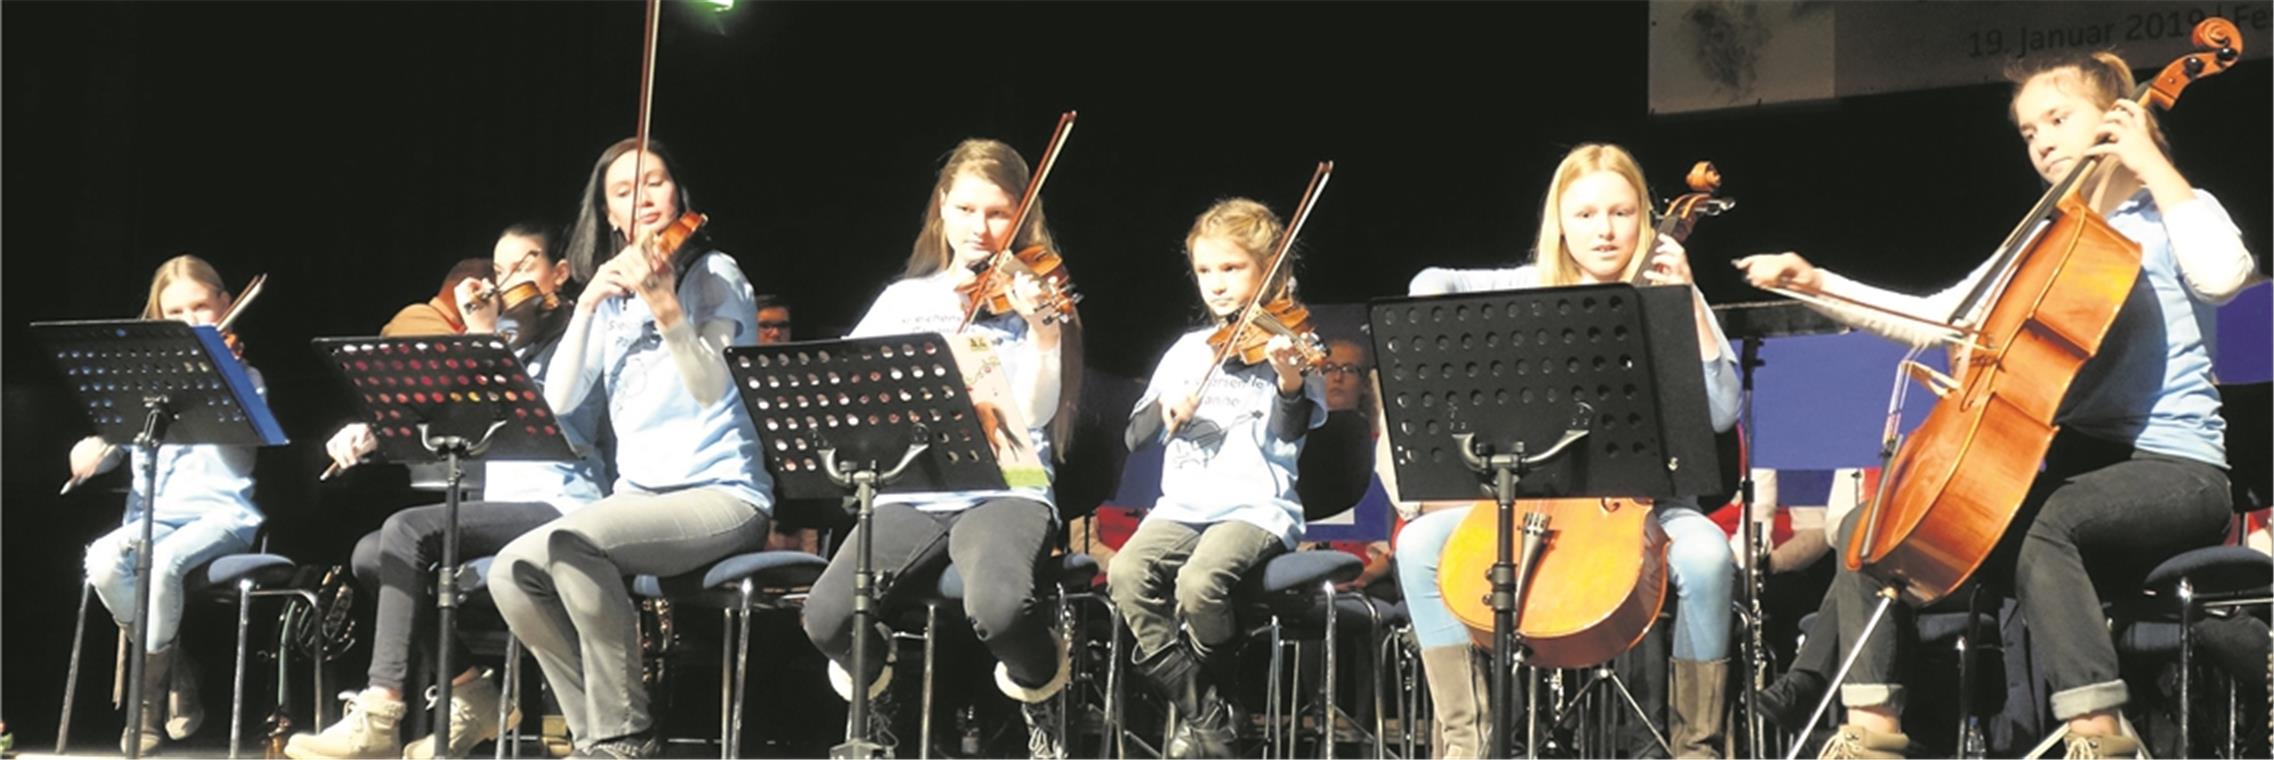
x=996 y=546
x=398 y=561
x=2100 y=516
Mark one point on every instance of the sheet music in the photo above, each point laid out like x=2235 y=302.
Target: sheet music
x=1001 y=415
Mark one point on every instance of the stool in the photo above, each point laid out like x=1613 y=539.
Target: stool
x=1296 y=585
x=2178 y=593
x=737 y=585
x=238 y=576
x=1065 y=572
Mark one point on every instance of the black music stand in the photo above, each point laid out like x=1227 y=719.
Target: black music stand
x=887 y=413
x=447 y=398
x=189 y=388
x=1576 y=391
x=1750 y=324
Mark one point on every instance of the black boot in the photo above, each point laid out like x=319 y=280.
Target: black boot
x=1789 y=699
x=1205 y=721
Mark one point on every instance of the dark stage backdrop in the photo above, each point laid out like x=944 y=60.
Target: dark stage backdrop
x=352 y=151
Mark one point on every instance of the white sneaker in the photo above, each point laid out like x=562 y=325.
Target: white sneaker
x=473 y=719
x=367 y=731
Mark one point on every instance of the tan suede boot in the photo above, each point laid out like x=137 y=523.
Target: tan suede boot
x=1460 y=723
x=1701 y=698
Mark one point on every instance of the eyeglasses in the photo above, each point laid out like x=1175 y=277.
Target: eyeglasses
x=1341 y=368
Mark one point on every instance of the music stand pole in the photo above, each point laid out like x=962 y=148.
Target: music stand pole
x=157 y=413
x=1508 y=574
x=454 y=449
x=864 y=479
x=1752 y=545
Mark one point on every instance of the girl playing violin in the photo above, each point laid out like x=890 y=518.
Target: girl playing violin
x=995 y=538
x=397 y=559
x=204 y=510
x=2136 y=474
x=648 y=337
x=1228 y=499
x=1592 y=230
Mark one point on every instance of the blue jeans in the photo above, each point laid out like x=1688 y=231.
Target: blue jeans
x=1704 y=580
x=175 y=550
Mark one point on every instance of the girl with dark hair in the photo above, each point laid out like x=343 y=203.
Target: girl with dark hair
x=397 y=559
x=648 y=338
x=2137 y=473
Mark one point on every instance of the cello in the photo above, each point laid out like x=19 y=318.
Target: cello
x=1605 y=558
x=1954 y=485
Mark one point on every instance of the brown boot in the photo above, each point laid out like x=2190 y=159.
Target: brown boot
x=1461 y=711
x=155 y=668
x=1700 y=700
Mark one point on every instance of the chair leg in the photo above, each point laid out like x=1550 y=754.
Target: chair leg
x=1119 y=749
x=1326 y=675
x=741 y=669
x=1273 y=710
x=726 y=680
x=71 y=674
x=924 y=723
x=237 y=691
x=2186 y=666
x=509 y=732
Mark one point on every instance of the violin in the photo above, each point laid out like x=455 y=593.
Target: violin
x=1954 y=485
x=528 y=316
x=1247 y=335
x=990 y=291
x=252 y=291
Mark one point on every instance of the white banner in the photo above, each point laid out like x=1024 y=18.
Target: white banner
x=1714 y=54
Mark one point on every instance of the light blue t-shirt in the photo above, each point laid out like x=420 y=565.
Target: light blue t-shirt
x=564 y=485
x=198 y=480
x=665 y=441
x=930 y=304
x=1226 y=463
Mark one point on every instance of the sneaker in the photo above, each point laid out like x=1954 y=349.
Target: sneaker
x=473 y=719
x=1042 y=730
x=368 y=730
x=2093 y=747
x=880 y=700
x=642 y=744
x=1853 y=741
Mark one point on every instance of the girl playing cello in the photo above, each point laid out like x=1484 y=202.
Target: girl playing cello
x=2136 y=473
x=1592 y=230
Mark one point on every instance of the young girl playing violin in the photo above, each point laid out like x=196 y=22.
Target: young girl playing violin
x=1228 y=499
x=648 y=336
x=204 y=510
x=995 y=538
x=517 y=497
x=2136 y=473
x=1592 y=230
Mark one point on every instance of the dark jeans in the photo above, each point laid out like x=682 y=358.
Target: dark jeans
x=398 y=560
x=2126 y=510
x=996 y=546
